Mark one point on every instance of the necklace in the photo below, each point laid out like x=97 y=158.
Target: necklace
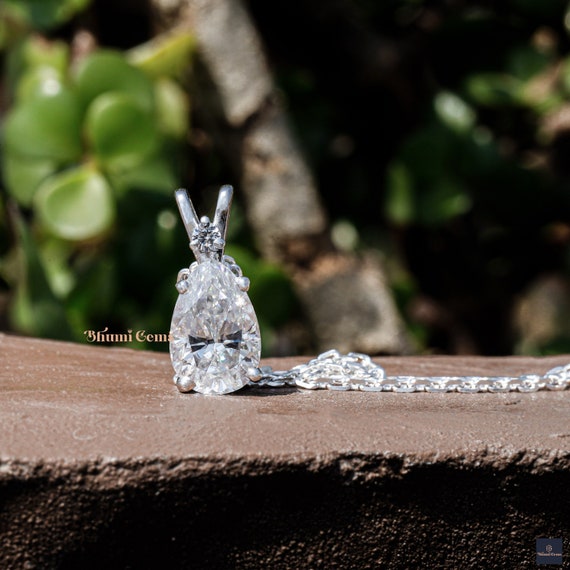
x=216 y=343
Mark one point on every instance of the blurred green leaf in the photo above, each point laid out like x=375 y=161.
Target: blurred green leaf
x=493 y=89
x=172 y=108
x=480 y=156
x=542 y=104
x=39 y=82
x=23 y=176
x=555 y=347
x=524 y=62
x=106 y=71
x=155 y=174
x=76 y=204
x=565 y=74
x=166 y=55
x=95 y=291
x=267 y=334
x=423 y=184
x=48 y=126
x=400 y=206
x=46 y=14
x=271 y=291
x=244 y=258
x=13 y=24
x=122 y=133
x=4 y=32
x=54 y=254
x=37 y=51
x=272 y=294
x=442 y=202
x=36 y=309
x=454 y=112
x=426 y=151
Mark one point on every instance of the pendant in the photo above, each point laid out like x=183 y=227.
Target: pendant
x=215 y=343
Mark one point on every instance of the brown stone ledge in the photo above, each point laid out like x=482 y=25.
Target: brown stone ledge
x=103 y=464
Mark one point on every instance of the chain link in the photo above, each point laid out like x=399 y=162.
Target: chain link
x=334 y=371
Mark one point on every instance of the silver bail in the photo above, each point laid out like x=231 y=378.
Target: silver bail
x=207 y=239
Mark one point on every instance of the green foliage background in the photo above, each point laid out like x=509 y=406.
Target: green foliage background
x=92 y=150
x=439 y=132
x=453 y=161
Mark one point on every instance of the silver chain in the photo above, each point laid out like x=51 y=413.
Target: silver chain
x=334 y=371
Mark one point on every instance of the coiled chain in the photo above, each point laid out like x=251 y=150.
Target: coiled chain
x=334 y=371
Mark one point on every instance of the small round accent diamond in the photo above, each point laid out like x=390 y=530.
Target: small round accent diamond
x=207 y=238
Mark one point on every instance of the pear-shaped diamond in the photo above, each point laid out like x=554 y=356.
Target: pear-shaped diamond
x=214 y=332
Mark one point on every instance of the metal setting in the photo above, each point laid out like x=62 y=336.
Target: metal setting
x=215 y=344
x=207 y=239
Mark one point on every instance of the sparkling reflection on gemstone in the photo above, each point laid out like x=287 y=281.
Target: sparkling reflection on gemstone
x=215 y=335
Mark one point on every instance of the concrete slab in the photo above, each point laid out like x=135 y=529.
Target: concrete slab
x=104 y=464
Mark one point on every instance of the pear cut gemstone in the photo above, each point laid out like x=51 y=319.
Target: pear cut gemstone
x=214 y=332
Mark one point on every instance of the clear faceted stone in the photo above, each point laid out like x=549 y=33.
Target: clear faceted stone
x=214 y=331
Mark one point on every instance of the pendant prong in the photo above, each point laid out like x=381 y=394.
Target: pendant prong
x=243 y=283
x=183 y=274
x=184 y=384
x=254 y=374
x=182 y=283
x=222 y=214
x=187 y=211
